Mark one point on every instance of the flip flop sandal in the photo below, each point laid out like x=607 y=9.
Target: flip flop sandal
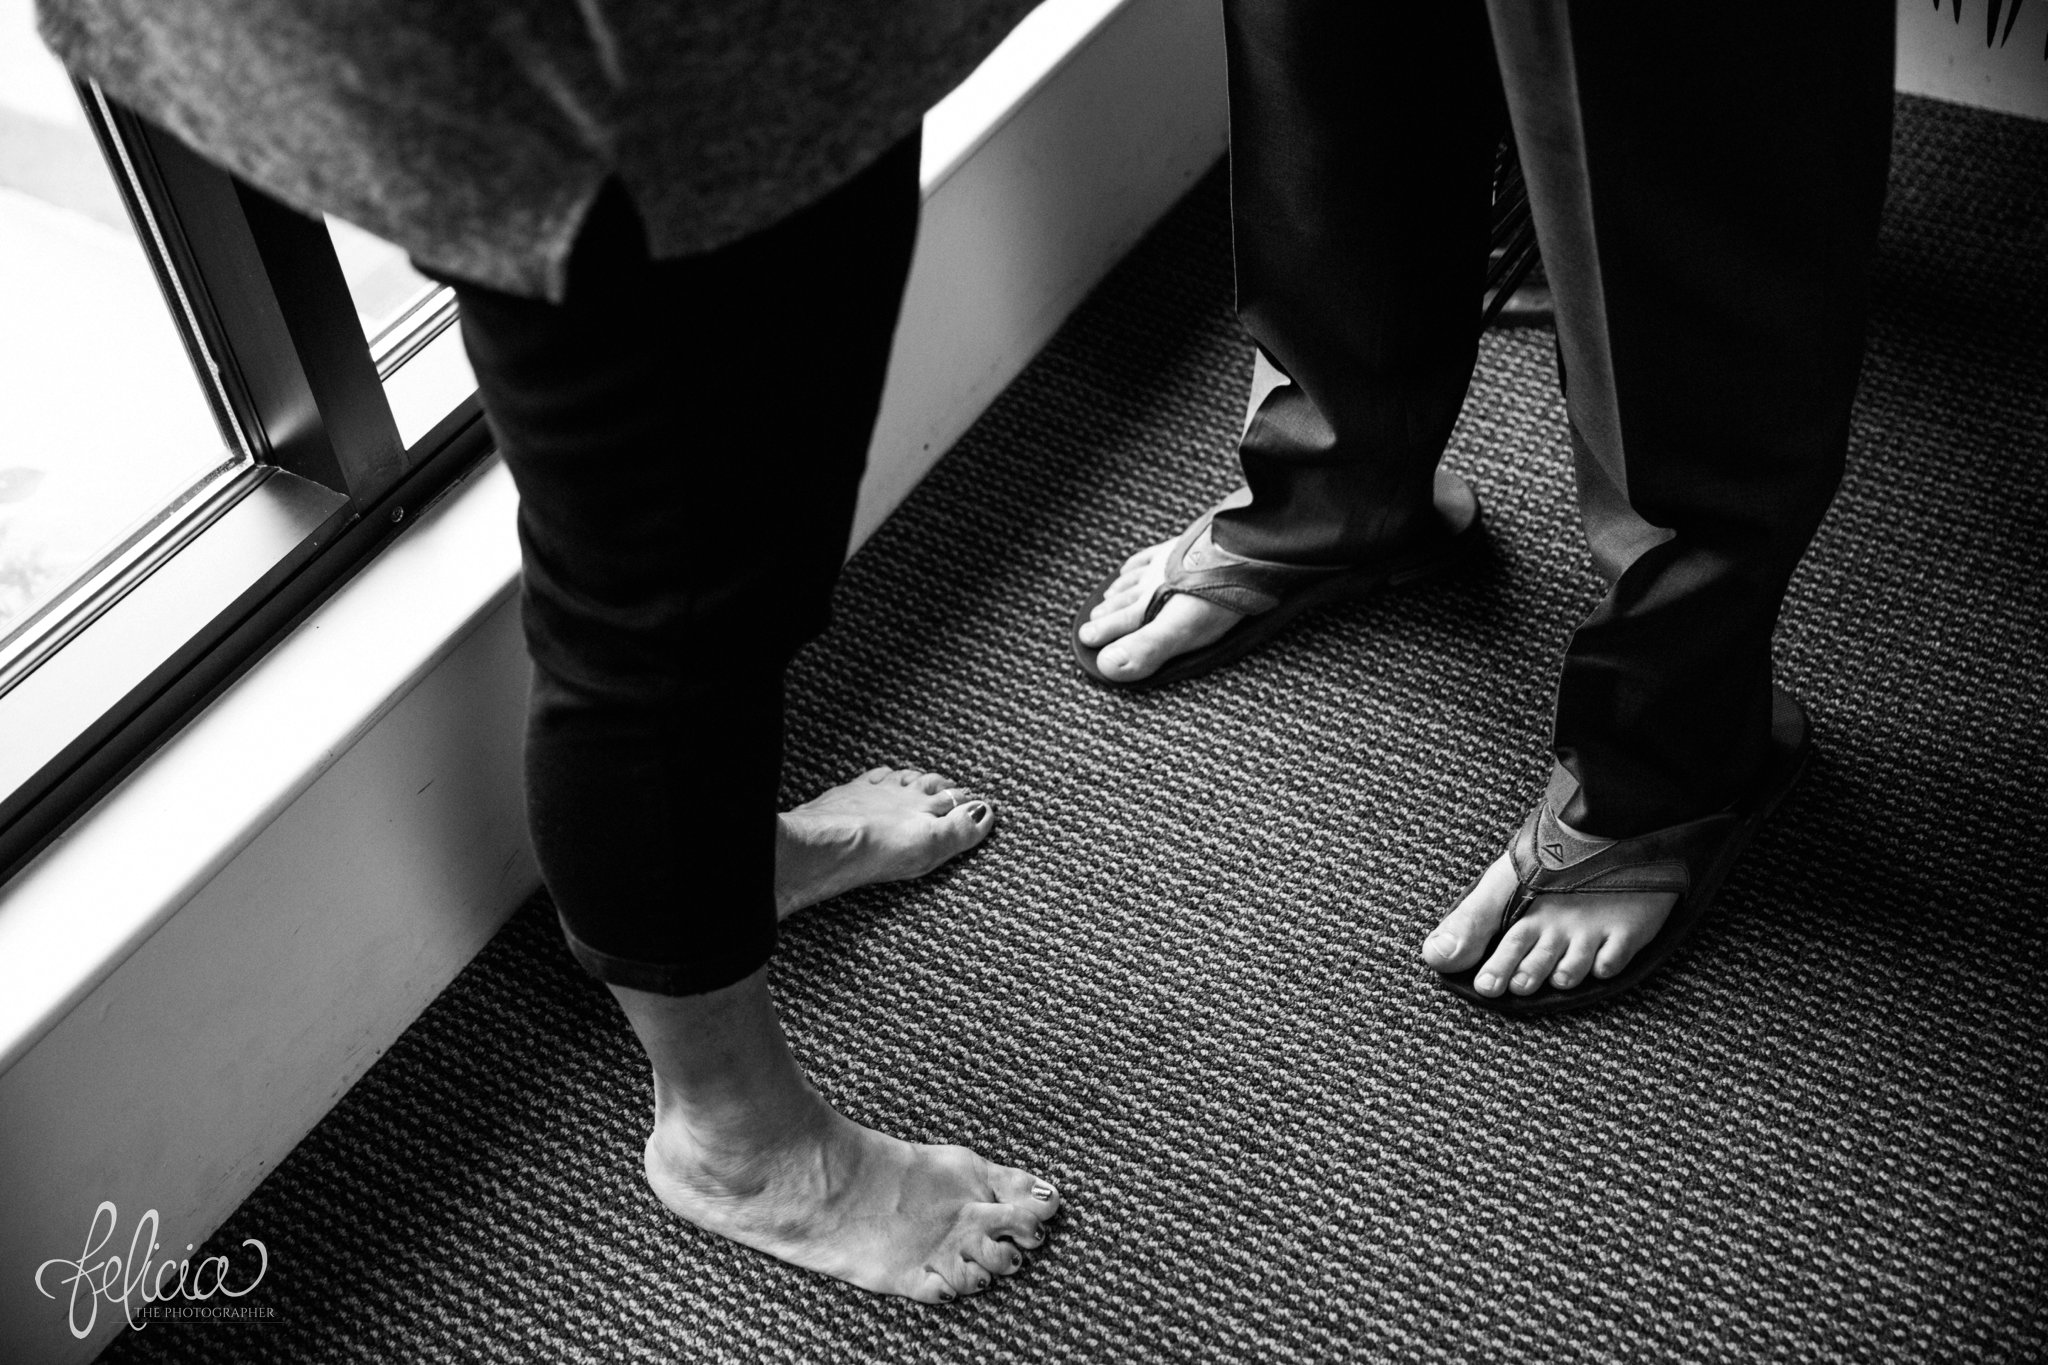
x=1691 y=860
x=1268 y=594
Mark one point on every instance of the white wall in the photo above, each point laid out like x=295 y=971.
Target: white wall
x=1940 y=57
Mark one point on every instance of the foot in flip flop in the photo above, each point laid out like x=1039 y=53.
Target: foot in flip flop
x=1566 y=919
x=1559 y=940
x=1186 y=606
x=887 y=825
x=1134 y=646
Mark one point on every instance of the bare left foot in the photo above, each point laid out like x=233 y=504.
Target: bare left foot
x=1559 y=940
x=745 y=1147
x=887 y=825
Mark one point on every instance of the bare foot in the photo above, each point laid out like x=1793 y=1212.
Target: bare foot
x=1559 y=940
x=744 y=1147
x=1134 y=648
x=929 y=1223
x=887 y=825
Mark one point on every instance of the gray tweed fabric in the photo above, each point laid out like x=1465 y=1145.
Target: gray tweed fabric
x=1181 y=978
x=477 y=133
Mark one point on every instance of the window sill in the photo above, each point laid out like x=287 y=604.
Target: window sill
x=104 y=886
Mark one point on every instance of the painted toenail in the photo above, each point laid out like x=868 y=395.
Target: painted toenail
x=1041 y=1191
x=978 y=812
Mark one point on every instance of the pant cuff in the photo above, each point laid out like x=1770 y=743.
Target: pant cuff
x=696 y=977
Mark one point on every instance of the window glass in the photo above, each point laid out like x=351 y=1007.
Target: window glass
x=388 y=292
x=408 y=323
x=104 y=427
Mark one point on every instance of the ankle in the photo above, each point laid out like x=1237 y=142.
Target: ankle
x=732 y=1144
x=735 y=1108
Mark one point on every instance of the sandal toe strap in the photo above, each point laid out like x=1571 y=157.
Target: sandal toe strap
x=1238 y=583
x=1550 y=861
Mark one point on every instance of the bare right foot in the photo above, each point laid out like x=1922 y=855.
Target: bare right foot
x=744 y=1147
x=1134 y=648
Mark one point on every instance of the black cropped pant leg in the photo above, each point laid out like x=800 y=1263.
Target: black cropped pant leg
x=687 y=437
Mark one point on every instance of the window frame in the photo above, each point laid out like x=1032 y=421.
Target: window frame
x=259 y=297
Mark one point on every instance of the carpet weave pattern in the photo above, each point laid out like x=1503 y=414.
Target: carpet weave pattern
x=1182 y=979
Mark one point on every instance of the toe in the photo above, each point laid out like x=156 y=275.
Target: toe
x=1643 y=919
x=933 y=1288
x=949 y=1274
x=1536 y=967
x=1033 y=1233
x=1634 y=924
x=1116 y=599
x=932 y=784
x=907 y=777
x=1032 y=1196
x=1128 y=658
x=967 y=1276
x=1184 y=623
x=1112 y=625
x=999 y=1256
x=1016 y=1220
x=877 y=774
x=1139 y=654
x=965 y=826
x=1125 y=583
x=1578 y=960
x=1500 y=968
x=997 y=1234
x=1615 y=952
x=1138 y=562
x=951 y=799
x=1460 y=940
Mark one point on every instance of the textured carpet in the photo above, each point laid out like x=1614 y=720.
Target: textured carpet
x=1181 y=978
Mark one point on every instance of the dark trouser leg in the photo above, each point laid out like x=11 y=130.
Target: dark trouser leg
x=688 y=438
x=1361 y=144
x=1706 y=185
